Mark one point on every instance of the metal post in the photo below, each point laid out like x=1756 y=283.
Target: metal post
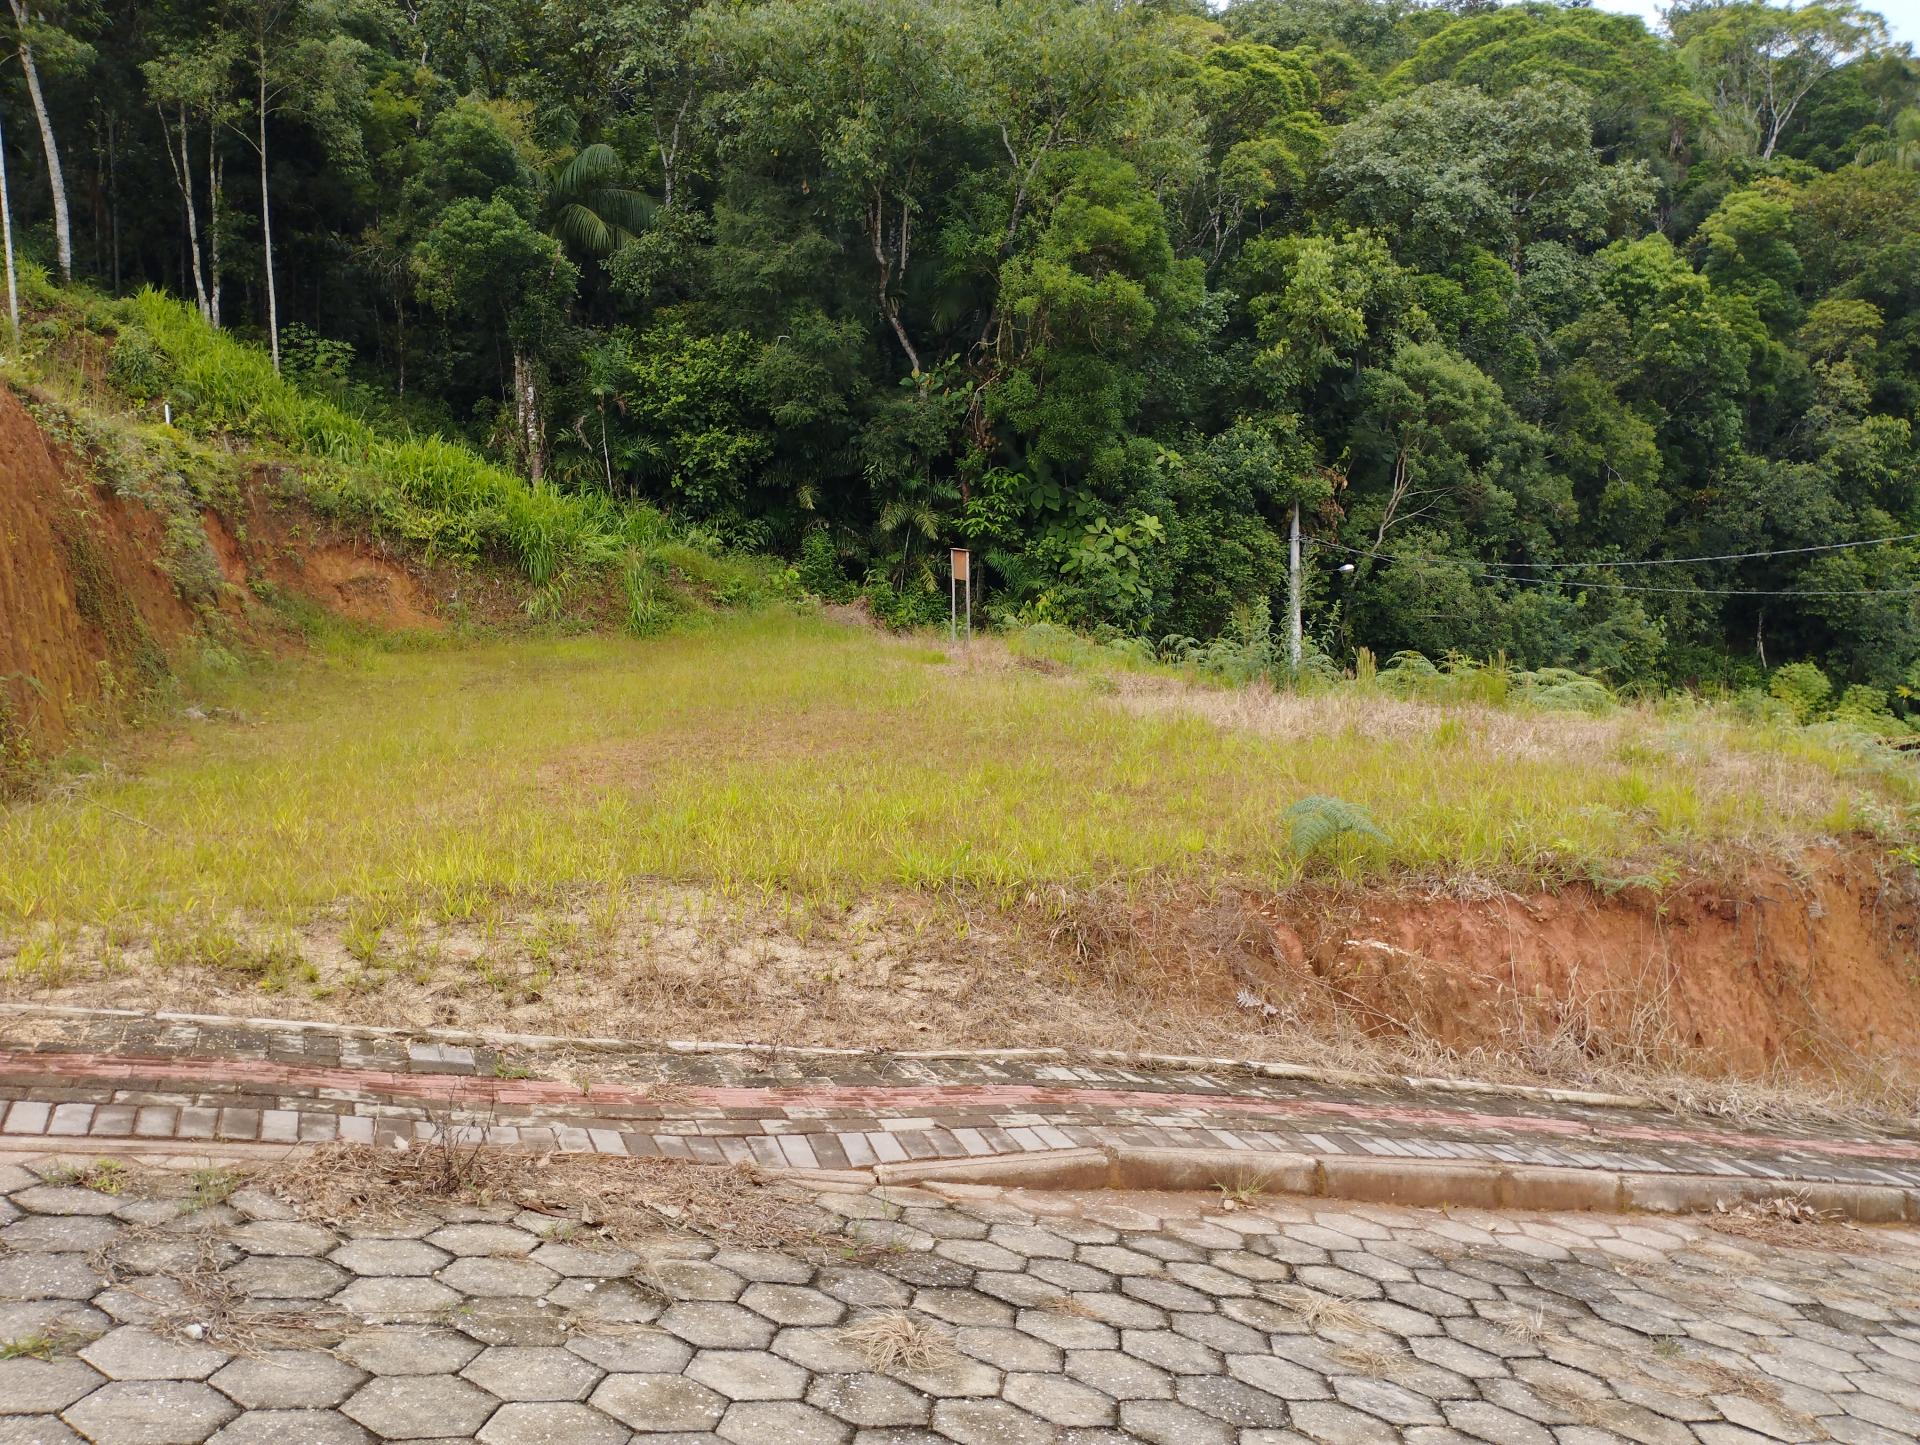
x=1293 y=585
x=959 y=575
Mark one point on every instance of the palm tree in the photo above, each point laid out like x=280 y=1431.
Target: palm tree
x=587 y=206
x=1901 y=147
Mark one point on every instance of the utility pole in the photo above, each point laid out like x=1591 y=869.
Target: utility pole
x=1293 y=585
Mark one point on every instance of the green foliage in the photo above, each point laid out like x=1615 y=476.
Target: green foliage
x=1318 y=820
x=309 y=359
x=188 y=559
x=1803 y=687
x=819 y=571
x=1559 y=689
x=1447 y=166
x=436 y=494
x=684 y=413
x=137 y=367
x=1105 y=291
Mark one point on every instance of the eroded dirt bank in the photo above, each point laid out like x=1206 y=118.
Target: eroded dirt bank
x=100 y=588
x=85 y=606
x=1771 y=966
x=1768 y=973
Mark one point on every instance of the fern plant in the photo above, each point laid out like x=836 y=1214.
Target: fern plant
x=1317 y=820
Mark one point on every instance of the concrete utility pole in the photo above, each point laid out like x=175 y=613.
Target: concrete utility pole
x=1293 y=585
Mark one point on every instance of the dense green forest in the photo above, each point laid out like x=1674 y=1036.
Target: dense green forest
x=1497 y=294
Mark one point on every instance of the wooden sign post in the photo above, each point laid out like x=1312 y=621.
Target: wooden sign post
x=960 y=575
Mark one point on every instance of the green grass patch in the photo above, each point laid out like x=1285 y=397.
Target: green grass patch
x=787 y=752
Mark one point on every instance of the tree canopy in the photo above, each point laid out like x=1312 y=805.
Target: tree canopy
x=1595 y=344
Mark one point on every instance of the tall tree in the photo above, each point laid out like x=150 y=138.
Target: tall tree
x=192 y=86
x=264 y=23
x=6 y=232
x=487 y=263
x=28 y=27
x=1759 y=61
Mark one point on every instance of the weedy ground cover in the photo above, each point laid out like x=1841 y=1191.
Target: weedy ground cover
x=792 y=753
x=782 y=827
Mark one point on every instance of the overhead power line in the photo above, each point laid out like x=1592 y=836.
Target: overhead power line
x=1649 y=562
x=1641 y=587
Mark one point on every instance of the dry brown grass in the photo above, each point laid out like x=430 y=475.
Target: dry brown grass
x=1714 y=1378
x=1375 y=1358
x=1787 y=1219
x=1598 y=1412
x=1315 y=1309
x=1070 y=1305
x=1717 y=1379
x=192 y=1299
x=899 y=1342
x=621 y=1201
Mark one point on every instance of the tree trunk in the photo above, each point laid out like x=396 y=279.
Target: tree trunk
x=526 y=415
x=113 y=193
x=6 y=229
x=606 y=452
x=266 y=215
x=181 y=161
x=56 y=178
x=214 y=169
x=888 y=257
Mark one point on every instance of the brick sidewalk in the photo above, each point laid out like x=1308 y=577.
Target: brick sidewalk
x=73 y=1076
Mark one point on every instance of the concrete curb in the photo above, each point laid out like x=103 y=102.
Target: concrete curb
x=1416 y=1183
x=1265 y=1069
x=1422 y=1184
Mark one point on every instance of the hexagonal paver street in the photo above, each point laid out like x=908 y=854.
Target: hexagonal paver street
x=147 y=1312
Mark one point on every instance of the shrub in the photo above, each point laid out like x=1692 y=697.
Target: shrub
x=1317 y=820
x=1803 y=687
x=137 y=367
x=1560 y=689
x=819 y=571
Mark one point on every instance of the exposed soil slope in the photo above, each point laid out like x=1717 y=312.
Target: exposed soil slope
x=1771 y=974
x=83 y=598
x=1776 y=966
x=91 y=603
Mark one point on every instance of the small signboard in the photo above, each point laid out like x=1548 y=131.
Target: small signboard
x=960 y=576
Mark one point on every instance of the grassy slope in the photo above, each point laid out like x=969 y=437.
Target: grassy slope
x=790 y=751
x=232 y=412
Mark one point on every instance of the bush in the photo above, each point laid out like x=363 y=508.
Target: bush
x=137 y=367
x=1559 y=689
x=819 y=571
x=903 y=607
x=1803 y=687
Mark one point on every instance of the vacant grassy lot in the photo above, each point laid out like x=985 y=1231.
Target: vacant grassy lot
x=788 y=829
x=825 y=761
